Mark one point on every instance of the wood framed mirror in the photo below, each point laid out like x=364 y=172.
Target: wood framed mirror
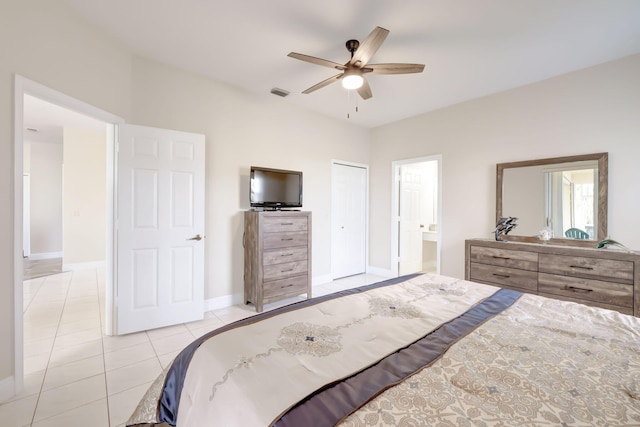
x=565 y=194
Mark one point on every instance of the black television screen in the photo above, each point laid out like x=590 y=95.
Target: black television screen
x=275 y=188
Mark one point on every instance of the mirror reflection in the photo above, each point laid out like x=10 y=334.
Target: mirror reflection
x=560 y=197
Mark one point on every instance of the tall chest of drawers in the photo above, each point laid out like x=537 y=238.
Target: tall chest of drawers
x=604 y=278
x=277 y=256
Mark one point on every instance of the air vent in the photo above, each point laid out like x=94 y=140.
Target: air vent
x=279 y=92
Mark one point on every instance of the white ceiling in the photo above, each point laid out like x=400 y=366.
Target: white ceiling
x=471 y=48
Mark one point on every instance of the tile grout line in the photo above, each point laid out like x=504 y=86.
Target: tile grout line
x=24 y=309
x=104 y=361
x=46 y=369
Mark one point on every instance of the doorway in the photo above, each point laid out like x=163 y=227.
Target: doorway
x=349 y=191
x=24 y=88
x=65 y=155
x=416 y=215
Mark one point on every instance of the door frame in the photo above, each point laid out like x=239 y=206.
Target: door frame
x=395 y=203
x=22 y=87
x=26 y=215
x=366 y=213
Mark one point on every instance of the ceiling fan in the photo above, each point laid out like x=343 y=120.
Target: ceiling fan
x=352 y=72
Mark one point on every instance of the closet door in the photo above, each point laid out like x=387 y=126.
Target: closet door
x=348 y=220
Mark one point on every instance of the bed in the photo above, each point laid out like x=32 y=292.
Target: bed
x=419 y=350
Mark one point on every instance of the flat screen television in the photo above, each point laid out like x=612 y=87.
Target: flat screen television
x=275 y=188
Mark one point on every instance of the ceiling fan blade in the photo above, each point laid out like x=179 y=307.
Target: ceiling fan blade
x=317 y=61
x=365 y=90
x=393 y=68
x=369 y=46
x=324 y=83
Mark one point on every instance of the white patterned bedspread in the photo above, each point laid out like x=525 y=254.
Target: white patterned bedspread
x=540 y=362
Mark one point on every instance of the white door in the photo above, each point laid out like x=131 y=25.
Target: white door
x=412 y=225
x=416 y=196
x=160 y=227
x=348 y=220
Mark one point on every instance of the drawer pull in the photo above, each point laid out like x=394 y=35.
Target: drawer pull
x=286 y=286
x=582 y=267
x=501 y=257
x=286 y=271
x=286 y=254
x=284 y=240
x=286 y=223
x=578 y=290
x=504 y=276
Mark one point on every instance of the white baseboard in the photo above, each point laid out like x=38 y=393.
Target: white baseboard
x=45 y=255
x=223 y=302
x=383 y=272
x=82 y=265
x=236 y=299
x=7 y=388
x=321 y=280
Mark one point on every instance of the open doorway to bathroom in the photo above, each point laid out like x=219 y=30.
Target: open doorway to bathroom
x=416 y=216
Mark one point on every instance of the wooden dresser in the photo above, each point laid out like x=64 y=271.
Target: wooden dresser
x=605 y=278
x=277 y=256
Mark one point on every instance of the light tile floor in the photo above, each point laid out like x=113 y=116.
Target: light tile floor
x=75 y=375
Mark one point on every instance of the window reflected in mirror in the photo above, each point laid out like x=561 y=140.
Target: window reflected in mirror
x=570 y=203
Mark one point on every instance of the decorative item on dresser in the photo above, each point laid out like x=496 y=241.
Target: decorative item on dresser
x=598 y=277
x=277 y=256
x=504 y=226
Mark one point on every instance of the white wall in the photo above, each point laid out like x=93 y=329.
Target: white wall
x=242 y=130
x=46 y=198
x=589 y=111
x=85 y=198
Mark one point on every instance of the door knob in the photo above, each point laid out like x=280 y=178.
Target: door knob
x=196 y=237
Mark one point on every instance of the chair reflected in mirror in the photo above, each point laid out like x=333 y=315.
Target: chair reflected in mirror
x=576 y=233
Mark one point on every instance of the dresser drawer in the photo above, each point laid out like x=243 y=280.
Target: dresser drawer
x=504 y=276
x=522 y=260
x=282 y=255
x=596 y=268
x=283 y=240
x=616 y=294
x=292 y=285
x=279 y=224
x=287 y=269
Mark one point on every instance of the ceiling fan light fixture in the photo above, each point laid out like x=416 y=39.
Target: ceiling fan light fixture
x=352 y=79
